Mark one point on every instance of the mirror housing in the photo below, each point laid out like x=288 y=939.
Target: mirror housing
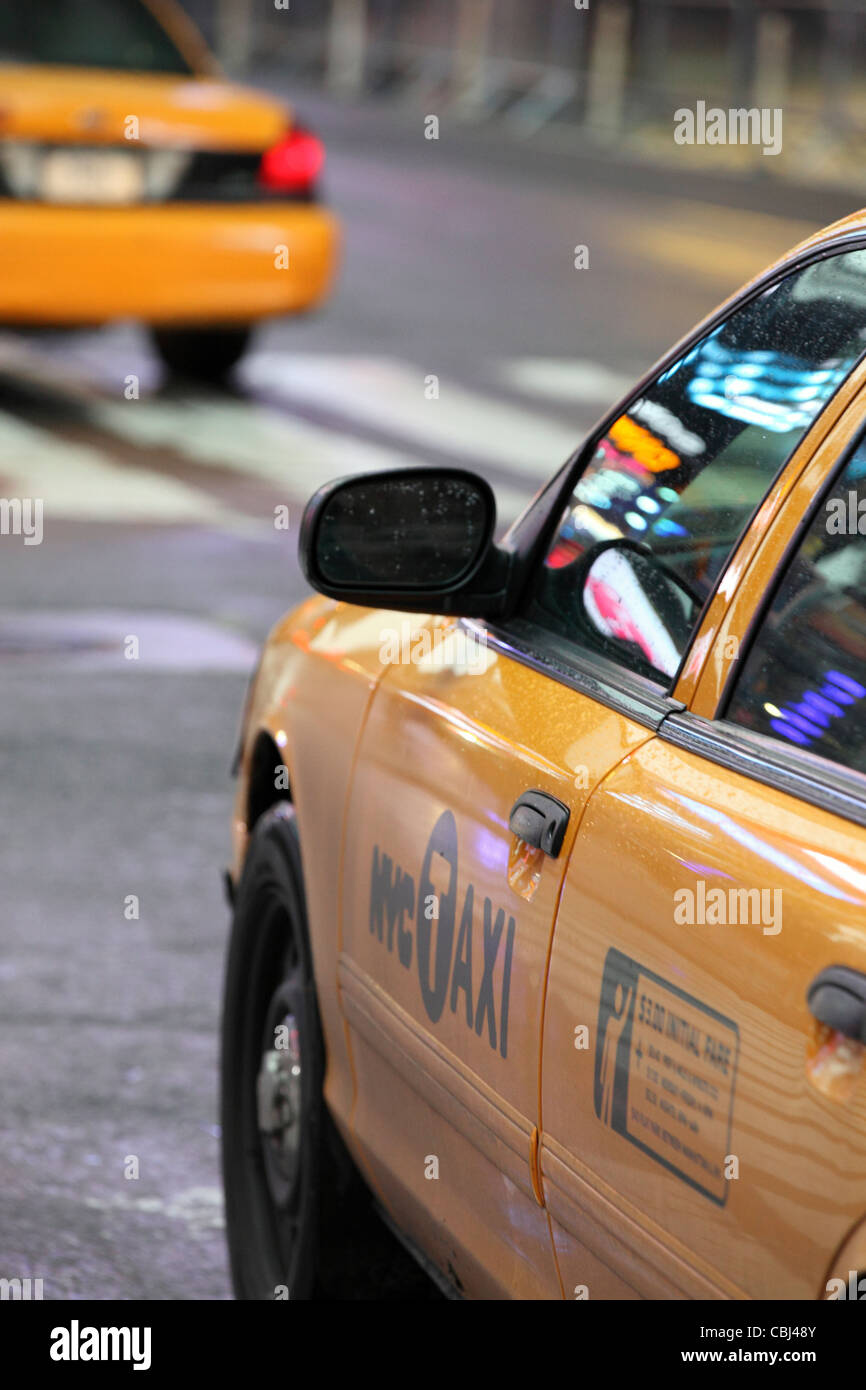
x=419 y=540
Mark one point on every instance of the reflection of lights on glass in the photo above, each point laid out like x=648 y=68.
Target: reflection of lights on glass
x=668 y=425
x=644 y=447
x=648 y=504
x=804 y=393
x=677 y=366
x=805 y=725
x=777 y=391
x=635 y=521
x=598 y=489
x=836 y=678
x=665 y=527
x=617 y=605
x=793 y=735
x=587 y=520
x=668 y=494
x=809 y=718
x=753 y=410
x=819 y=701
x=812 y=715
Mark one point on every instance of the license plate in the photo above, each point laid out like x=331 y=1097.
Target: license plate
x=90 y=176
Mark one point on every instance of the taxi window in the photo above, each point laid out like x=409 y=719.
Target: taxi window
x=118 y=34
x=804 y=679
x=674 y=481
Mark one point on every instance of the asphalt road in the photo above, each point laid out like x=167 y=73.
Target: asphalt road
x=158 y=525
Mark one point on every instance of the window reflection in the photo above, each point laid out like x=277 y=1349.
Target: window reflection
x=686 y=467
x=804 y=681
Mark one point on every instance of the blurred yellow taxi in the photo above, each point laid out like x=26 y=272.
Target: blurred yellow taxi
x=136 y=182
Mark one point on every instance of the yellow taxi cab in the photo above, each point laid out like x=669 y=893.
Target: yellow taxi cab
x=550 y=909
x=136 y=182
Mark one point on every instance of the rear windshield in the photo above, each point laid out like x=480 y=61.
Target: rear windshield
x=119 y=34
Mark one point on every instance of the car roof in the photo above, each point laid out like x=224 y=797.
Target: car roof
x=852 y=225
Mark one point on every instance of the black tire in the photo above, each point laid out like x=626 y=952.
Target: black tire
x=317 y=1235
x=201 y=354
x=273 y=1197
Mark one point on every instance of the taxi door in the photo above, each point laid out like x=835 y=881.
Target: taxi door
x=446 y=925
x=710 y=1137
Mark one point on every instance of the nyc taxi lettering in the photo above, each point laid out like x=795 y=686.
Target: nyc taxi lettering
x=462 y=960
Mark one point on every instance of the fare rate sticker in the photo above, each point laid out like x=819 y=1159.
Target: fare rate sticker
x=665 y=1067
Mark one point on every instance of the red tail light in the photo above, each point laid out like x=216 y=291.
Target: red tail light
x=293 y=165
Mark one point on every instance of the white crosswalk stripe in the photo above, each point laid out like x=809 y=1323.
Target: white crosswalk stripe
x=571 y=383
x=78 y=482
x=252 y=439
x=261 y=437
x=388 y=395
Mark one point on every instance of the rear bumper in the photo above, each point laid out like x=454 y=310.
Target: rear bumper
x=166 y=264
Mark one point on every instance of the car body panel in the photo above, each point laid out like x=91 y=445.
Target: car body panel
x=487 y=737
x=667 y=818
x=92 y=106
x=164 y=264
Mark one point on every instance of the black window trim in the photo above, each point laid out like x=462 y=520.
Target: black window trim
x=580 y=669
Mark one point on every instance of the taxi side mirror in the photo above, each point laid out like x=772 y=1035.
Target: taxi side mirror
x=418 y=540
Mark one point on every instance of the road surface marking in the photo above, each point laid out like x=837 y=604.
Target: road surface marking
x=269 y=442
x=80 y=482
x=248 y=438
x=571 y=382
x=725 y=245
x=387 y=395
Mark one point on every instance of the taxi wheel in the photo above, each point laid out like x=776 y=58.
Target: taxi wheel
x=282 y=1169
x=202 y=354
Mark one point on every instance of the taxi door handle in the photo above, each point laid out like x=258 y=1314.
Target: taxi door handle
x=837 y=997
x=540 y=820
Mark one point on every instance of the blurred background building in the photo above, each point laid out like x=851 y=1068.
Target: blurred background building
x=605 y=72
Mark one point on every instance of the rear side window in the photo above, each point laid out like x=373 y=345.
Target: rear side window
x=804 y=679
x=680 y=474
x=118 y=34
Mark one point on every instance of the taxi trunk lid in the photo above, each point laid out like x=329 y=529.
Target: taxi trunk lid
x=60 y=105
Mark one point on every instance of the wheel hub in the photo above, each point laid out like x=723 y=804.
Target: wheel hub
x=278 y=1097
